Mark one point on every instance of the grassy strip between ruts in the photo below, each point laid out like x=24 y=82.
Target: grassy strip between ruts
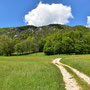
x=80 y=62
x=30 y=74
x=80 y=81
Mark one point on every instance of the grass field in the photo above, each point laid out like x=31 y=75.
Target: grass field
x=30 y=73
x=33 y=72
x=80 y=62
x=79 y=80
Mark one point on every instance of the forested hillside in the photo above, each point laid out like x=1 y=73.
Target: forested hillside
x=51 y=39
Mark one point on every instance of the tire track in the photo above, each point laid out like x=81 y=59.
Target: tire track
x=70 y=82
x=81 y=75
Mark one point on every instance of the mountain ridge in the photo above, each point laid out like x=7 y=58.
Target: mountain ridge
x=14 y=32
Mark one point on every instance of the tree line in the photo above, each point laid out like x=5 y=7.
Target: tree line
x=70 y=42
x=74 y=42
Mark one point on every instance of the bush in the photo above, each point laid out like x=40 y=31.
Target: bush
x=58 y=48
x=6 y=45
x=49 y=51
x=48 y=48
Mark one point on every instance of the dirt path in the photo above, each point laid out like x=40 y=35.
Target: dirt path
x=70 y=82
x=81 y=75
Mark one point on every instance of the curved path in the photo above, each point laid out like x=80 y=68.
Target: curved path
x=81 y=75
x=70 y=82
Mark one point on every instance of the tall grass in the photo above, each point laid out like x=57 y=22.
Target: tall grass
x=80 y=62
x=80 y=81
x=29 y=73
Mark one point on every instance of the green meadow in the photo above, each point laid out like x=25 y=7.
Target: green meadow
x=80 y=62
x=31 y=72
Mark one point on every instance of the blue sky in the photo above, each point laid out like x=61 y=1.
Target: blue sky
x=12 y=12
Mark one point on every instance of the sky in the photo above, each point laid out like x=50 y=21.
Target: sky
x=43 y=12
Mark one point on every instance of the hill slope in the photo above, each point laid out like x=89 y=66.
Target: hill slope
x=52 y=39
x=25 y=31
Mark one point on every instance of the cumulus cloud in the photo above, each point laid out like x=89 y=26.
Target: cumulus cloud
x=45 y=14
x=88 y=21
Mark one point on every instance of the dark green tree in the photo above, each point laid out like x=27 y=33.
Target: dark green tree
x=6 y=45
x=48 y=48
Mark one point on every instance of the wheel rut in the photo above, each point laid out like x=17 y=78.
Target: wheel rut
x=70 y=82
x=80 y=74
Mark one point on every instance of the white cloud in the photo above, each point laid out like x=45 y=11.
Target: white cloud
x=45 y=14
x=88 y=21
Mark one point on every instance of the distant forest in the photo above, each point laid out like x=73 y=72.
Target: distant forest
x=51 y=39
